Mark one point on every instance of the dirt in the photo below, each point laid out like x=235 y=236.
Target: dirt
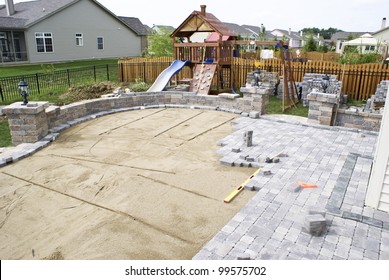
x=85 y=92
x=138 y=185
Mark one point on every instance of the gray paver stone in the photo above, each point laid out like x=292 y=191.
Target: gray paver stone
x=315 y=224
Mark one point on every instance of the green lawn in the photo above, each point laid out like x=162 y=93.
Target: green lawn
x=5 y=136
x=9 y=71
x=275 y=107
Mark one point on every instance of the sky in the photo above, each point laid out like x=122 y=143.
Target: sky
x=347 y=15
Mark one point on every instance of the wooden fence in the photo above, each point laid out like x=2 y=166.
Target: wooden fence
x=147 y=70
x=359 y=81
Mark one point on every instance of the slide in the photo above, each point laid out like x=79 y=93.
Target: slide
x=164 y=78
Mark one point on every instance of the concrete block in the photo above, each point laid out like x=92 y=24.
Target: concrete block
x=244 y=156
x=317 y=211
x=254 y=114
x=244 y=257
x=248 y=138
x=315 y=224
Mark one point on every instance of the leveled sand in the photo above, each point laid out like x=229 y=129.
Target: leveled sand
x=137 y=185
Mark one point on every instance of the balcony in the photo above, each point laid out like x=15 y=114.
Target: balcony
x=220 y=53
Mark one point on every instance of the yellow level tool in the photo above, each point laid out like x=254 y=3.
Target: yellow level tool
x=232 y=195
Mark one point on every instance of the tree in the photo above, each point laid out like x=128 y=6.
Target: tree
x=326 y=33
x=160 y=43
x=311 y=45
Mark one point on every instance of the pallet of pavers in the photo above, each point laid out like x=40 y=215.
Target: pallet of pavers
x=202 y=78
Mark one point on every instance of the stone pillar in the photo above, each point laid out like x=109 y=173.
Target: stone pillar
x=322 y=108
x=27 y=123
x=256 y=99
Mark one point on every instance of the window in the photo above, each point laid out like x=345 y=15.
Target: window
x=79 y=39
x=369 y=48
x=44 y=42
x=100 y=43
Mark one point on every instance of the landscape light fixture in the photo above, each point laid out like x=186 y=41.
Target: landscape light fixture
x=257 y=75
x=24 y=91
x=325 y=82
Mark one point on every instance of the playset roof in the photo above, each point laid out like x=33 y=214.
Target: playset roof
x=201 y=21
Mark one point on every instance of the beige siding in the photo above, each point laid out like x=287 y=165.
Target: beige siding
x=384 y=199
x=378 y=190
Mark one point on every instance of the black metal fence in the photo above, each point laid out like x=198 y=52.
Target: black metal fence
x=57 y=81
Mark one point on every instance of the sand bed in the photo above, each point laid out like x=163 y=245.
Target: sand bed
x=136 y=185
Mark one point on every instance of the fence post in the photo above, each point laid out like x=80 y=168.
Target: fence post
x=107 y=72
x=122 y=71
x=68 y=72
x=94 y=72
x=144 y=72
x=1 y=94
x=37 y=83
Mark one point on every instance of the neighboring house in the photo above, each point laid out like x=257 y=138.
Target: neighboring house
x=166 y=28
x=382 y=35
x=294 y=38
x=261 y=33
x=140 y=29
x=366 y=44
x=244 y=33
x=62 y=30
x=339 y=38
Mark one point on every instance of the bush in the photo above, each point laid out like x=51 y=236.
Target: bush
x=352 y=56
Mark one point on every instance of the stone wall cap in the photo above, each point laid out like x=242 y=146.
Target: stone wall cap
x=20 y=108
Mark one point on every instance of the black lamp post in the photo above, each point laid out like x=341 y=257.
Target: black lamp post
x=257 y=75
x=24 y=91
x=325 y=83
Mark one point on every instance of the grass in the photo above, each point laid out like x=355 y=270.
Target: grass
x=275 y=107
x=354 y=102
x=5 y=136
x=19 y=70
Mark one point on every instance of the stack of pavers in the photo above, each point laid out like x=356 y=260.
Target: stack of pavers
x=315 y=81
x=378 y=99
x=315 y=224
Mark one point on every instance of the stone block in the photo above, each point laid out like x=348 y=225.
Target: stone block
x=315 y=224
x=244 y=257
x=248 y=138
x=254 y=114
x=317 y=211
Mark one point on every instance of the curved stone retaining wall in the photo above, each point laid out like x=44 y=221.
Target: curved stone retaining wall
x=57 y=118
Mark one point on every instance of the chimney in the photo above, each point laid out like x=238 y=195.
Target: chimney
x=9 y=4
x=383 y=23
x=203 y=8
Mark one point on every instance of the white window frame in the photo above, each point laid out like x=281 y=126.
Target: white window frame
x=79 y=39
x=98 y=44
x=44 y=36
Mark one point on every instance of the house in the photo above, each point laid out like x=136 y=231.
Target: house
x=366 y=44
x=140 y=29
x=340 y=37
x=162 y=28
x=63 y=30
x=382 y=35
x=295 y=39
